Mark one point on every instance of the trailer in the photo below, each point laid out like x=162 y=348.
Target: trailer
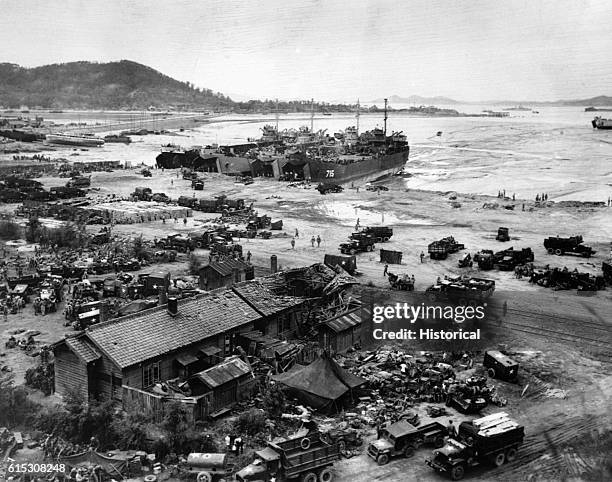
x=309 y=458
x=206 y=467
x=573 y=245
x=494 y=439
x=442 y=248
x=403 y=439
x=500 y=366
x=462 y=289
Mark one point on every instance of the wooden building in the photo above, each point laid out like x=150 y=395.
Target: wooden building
x=343 y=331
x=280 y=315
x=152 y=346
x=220 y=274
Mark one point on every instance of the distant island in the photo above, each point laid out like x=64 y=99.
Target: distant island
x=598 y=109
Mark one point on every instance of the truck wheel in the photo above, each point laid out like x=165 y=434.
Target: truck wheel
x=382 y=459
x=204 y=477
x=457 y=472
x=409 y=451
x=499 y=459
x=385 y=239
x=199 y=244
x=511 y=454
x=326 y=475
x=558 y=252
x=369 y=248
x=439 y=442
x=309 y=477
x=305 y=443
x=491 y=372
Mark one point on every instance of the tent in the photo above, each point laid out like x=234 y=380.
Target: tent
x=321 y=384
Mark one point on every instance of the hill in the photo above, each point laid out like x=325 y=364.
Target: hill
x=416 y=100
x=599 y=101
x=114 y=85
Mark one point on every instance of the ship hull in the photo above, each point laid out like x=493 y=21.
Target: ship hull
x=366 y=170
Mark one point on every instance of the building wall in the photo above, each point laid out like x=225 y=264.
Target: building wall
x=70 y=373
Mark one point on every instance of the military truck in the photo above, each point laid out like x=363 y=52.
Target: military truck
x=309 y=458
x=327 y=187
x=403 y=439
x=79 y=181
x=379 y=233
x=181 y=243
x=142 y=193
x=348 y=263
x=510 y=258
x=358 y=244
x=503 y=234
x=471 y=404
x=187 y=201
x=442 y=248
x=500 y=366
x=573 y=245
x=494 y=439
x=485 y=259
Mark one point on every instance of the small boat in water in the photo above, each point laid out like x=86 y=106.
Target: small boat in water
x=600 y=123
x=88 y=140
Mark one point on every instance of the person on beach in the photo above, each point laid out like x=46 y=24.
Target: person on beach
x=318 y=241
x=386 y=270
x=312 y=240
x=293 y=243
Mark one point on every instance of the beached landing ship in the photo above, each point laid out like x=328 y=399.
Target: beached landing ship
x=599 y=123
x=83 y=140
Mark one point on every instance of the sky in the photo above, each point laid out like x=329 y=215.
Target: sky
x=332 y=50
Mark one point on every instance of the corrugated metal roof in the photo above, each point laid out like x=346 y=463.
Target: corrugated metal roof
x=348 y=320
x=150 y=333
x=83 y=348
x=224 y=372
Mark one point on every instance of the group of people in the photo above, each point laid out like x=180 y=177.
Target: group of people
x=502 y=194
x=313 y=240
x=12 y=304
x=234 y=444
x=541 y=197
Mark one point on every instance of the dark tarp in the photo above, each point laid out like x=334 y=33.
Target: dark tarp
x=320 y=384
x=391 y=257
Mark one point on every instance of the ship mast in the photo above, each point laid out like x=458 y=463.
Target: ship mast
x=357 y=114
x=277 y=113
x=385 y=121
x=311 y=115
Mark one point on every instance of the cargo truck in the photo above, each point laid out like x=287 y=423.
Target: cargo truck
x=494 y=439
x=573 y=244
x=403 y=439
x=309 y=458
